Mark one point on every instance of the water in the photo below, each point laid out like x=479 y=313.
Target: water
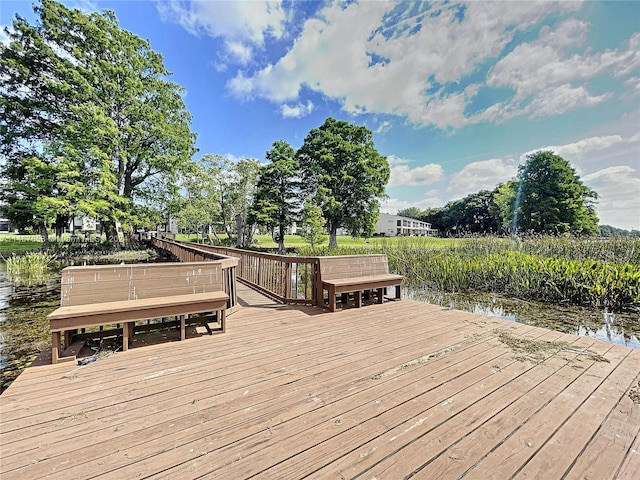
x=24 y=328
x=618 y=328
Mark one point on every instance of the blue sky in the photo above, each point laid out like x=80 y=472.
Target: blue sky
x=456 y=93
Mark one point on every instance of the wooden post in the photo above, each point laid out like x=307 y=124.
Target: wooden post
x=182 y=329
x=55 y=346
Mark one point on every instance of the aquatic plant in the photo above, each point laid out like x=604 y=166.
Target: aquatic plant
x=564 y=270
x=29 y=269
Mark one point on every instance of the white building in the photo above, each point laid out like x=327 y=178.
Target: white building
x=83 y=224
x=396 y=226
x=5 y=226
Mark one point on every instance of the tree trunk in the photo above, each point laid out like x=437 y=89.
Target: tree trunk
x=129 y=240
x=112 y=236
x=44 y=234
x=240 y=231
x=333 y=236
x=281 y=249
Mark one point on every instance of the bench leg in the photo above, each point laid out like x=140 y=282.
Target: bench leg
x=398 y=290
x=332 y=299
x=381 y=294
x=127 y=334
x=223 y=319
x=357 y=296
x=68 y=337
x=55 y=346
x=344 y=298
x=183 y=334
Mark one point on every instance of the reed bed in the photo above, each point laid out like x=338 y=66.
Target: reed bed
x=29 y=269
x=587 y=272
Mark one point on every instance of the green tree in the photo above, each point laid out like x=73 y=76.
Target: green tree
x=410 y=212
x=550 y=198
x=345 y=174
x=504 y=197
x=236 y=191
x=313 y=226
x=96 y=99
x=276 y=198
x=199 y=206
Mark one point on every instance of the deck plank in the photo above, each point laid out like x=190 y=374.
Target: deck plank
x=403 y=388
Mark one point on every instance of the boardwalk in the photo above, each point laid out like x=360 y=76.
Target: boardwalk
x=387 y=391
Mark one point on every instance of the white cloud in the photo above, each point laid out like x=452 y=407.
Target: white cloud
x=577 y=150
x=384 y=127
x=633 y=85
x=548 y=69
x=239 y=52
x=244 y=25
x=296 y=111
x=483 y=175
x=394 y=205
x=617 y=184
x=403 y=175
x=561 y=99
x=87 y=6
x=356 y=53
x=619 y=191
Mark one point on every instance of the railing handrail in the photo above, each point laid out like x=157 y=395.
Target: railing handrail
x=288 y=279
x=228 y=264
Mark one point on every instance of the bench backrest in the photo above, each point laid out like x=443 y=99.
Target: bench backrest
x=111 y=283
x=350 y=266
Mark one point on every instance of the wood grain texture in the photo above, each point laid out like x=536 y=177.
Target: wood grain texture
x=295 y=392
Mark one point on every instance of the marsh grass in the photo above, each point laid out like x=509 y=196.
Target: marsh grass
x=589 y=272
x=29 y=269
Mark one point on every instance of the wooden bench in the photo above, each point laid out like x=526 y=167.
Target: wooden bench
x=355 y=274
x=123 y=294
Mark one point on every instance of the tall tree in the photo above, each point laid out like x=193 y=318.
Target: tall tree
x=410 y=212
x=313 y=226
x=275 y=204
x=199 y=205
x=237 y=188
x=97 y=98
x=550 y=198
x=341 y=168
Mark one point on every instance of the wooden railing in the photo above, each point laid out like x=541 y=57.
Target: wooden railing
x=193 y=252
x=286 y=279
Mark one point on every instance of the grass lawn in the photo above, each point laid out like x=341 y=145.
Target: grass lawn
x=295 y=241
x=12 y=243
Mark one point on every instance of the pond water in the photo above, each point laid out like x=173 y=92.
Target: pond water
x=24 y=329
x=619 y=328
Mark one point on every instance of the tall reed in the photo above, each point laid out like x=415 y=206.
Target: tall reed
x=29 y=269
x=591 y=272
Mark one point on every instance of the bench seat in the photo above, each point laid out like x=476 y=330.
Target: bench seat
x=355 y=274
x=100 y=295
x=127 y=312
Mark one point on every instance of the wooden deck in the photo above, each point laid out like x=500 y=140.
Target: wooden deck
x=390 y=391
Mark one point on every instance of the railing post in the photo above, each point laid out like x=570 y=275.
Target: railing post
x=287 y=280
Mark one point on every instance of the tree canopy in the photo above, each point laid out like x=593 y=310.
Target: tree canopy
x=342 y=170
x=546 y=197
x=90 y=104
x=276 y=201
x=550 y=198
